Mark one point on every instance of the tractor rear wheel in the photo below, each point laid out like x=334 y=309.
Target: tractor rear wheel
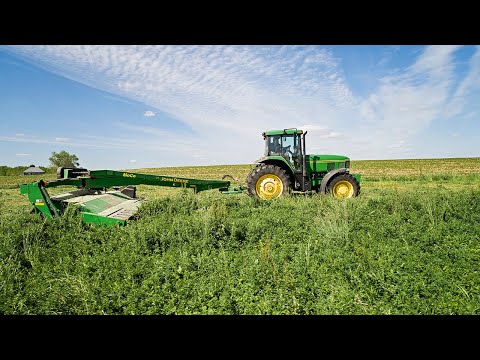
x=268 y=182
x=344 y=186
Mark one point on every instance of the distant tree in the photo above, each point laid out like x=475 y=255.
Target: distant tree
x=63 y=159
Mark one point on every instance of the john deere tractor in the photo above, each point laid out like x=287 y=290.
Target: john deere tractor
x=285 y=168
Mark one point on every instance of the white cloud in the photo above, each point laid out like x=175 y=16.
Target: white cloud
x=19 y=134
x=333 y=135
x=199 y=157
x=84 y=141
x=314 y=129
x=22 y=154
x=104 y=142
x=133 y=161
x=397 y=145
x=408 y=102
x=320 y=132
x=220 y=84
x=468 y=84
x=149 y=113
x=61 y=139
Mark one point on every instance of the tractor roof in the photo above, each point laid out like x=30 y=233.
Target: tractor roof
x=291 y=131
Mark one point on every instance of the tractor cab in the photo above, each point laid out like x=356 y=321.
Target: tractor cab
x=285 y=143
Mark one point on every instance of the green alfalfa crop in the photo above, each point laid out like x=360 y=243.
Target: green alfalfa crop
x=389 y=253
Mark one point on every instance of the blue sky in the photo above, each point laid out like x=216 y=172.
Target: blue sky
x=119 y=107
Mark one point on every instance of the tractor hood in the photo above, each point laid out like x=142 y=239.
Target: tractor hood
x=325 y=163
x=326 y=158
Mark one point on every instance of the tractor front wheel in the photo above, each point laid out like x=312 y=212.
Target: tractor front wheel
x=344 y=186
x=268 y=182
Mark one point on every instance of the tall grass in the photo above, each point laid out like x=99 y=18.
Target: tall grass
x=388 y=252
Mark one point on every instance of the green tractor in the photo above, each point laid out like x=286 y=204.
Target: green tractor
x=285 y=168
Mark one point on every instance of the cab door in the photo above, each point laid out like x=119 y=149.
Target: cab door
x=291 y=151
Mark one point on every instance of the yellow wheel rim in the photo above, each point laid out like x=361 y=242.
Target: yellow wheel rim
x=269 y=186
x=343 y=189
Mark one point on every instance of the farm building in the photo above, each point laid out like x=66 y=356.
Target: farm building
x=33 y=170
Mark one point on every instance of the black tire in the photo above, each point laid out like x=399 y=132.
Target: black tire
x=335 y=187
x=262 y=170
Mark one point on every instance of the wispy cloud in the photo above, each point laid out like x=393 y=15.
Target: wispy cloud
x=406 y=103
x=22 y=154
x=226 y=83
x=19 y=134
x=321 y=132
x=91 y=142
x=171 y=144
x=470 y=83
x=397 y=145
x=228 y=95
x=149 y=113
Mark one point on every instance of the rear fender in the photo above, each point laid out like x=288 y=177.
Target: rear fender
x=280 y=163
